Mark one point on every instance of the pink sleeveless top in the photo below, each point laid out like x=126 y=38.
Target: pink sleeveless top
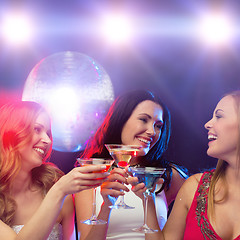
x=198 y=226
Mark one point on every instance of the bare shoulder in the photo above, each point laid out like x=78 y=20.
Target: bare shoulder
x=67 y=208
x=176 y=182
x=83 y=203
x=6 y=231
x=179 y=181
x=192 y=181
x=83 y=207
x=189 y=188
x=174 y=228
x=83 y=196
x=178 y=177
x=68 y=202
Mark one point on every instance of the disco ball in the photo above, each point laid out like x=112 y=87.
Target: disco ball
x=76 y=91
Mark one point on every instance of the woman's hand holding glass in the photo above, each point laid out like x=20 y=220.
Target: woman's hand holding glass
x=149 y=176
x=82 y=178
x=114 y=186
x=137 y=188
x=85 y=162
x=140 y=188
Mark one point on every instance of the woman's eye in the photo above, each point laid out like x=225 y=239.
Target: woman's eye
x=159 y=126
x=218 y=116
x=143 y=119
x=37 y=129
x=49 y=134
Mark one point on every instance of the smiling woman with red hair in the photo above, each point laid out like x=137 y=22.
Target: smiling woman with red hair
x=35 y=196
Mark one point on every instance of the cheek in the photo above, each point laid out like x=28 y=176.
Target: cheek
x=158 y=135
x=230 y=134
x=124 y=136
x=25 y=153
x=156 y=139
x=231 y=140
x=127 y=133
x=126 y=139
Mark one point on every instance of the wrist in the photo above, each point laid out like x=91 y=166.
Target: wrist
x=56 y=192
x=106 y=206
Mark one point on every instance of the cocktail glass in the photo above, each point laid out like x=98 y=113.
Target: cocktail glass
x=95 y=161
x=122 y=154
x=149 y=177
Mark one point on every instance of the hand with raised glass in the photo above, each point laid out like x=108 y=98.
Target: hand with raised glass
x=82 y=178
x=140 y=188
x=114 y=186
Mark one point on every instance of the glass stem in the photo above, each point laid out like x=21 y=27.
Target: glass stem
x=94 y=205
x=145 y=208
x=121 y=198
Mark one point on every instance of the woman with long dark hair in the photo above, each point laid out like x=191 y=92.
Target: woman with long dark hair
x=135 y=118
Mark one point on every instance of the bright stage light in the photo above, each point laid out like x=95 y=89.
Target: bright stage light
x=216 y=29
x=116 y=29
x=65 y=100
x=16 y=28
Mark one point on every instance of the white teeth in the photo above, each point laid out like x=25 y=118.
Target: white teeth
x=144 y=140
x=39 y=150
x=212 y=137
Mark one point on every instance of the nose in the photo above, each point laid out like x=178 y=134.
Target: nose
x=151 y=130
x=208 y=124
x=46 y=139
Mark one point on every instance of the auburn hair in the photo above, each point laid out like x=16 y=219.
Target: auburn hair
x=17 y=121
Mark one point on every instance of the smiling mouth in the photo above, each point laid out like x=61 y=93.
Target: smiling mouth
x=147 y=142
x=212 y=137
x=41 y=151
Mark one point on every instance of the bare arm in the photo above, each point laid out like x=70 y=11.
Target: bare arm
x=175 y=226
x=45 y=217
x=83 y=205
x=68 y=219
x=43 y=220
x=6 y=232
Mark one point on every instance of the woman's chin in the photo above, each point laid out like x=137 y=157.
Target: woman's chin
x=143 y=152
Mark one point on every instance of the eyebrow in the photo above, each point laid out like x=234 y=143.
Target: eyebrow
x=218 y=110
x=39 y=124
x=42 y=126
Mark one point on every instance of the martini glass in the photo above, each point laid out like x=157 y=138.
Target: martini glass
x=95 y=161
x=149 y=176
x=122 y=154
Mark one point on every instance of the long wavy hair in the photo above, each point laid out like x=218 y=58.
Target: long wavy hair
x=110 y=130
x=220 y=170
x=16 y=130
